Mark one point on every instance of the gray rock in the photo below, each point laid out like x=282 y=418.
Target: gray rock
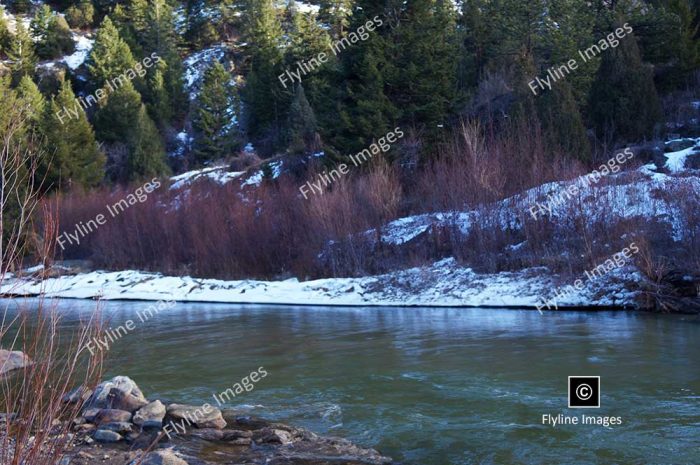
x=162 y=457
x=111 y=416
x=208 y=434
x=103 y=435
x=201 y=417
x=76 y=395
x=13 y=360
x=121 y=393
x=90 y=413
x=150 y=415
x=120 y=427
x=273 y=436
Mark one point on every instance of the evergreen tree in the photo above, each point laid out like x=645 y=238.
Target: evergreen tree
x=624 y=103
x=34 y=102
x=124 y=125
x=20 y=6
x=303 y=129
x=308 y=40
x=365 y=110
x=110 y=56
x=39 y=25
x=165 y=86
x=562 y=122
x=570 y=28
x=76 y=159
x=421 y=76
x=266 y=99
x=5 y=36
x=81 y=15
x=147 y=159
x=336 y=13
x=22 y=53
x=115 y=119
x=214 y=121
x=51 y=33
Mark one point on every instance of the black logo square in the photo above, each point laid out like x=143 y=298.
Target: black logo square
x=584 y=391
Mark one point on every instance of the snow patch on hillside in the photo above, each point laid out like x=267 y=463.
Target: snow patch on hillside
x=631 y=194
x=83 y=47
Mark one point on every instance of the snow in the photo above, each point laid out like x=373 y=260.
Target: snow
x=198 y=62
x=675 y=161
x=629 y=194
x=444 y=283
x=304 y=7
x=214 y=173
x=83 y=46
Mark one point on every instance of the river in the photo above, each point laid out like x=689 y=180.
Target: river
x=431 y=386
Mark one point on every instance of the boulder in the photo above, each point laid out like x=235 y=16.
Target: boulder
x=120 y=393
x=76 y=395
x=90 y=413
x=161 y=457
x=150 y=415
x=103 y=435
x=199 y=416
x=121 y=427
x=273 y=436
x=12 y=360
x=111 y=416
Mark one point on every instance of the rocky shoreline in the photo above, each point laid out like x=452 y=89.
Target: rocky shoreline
x=118 y=425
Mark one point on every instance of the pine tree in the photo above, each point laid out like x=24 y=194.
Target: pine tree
x=76 y=159
x=214 y=122
x=365 y=110
x=20 y=6
x=422 y=73
x=110 y=56
x=124 y=125
x=39 y=25
x=266 y=99
x=562 y=122
x=22 y=53
x=337 y=14
x=33 y=100
x=5 y=36
x=52 y=34
x=81 y=15
x=624 y=103
x=147 y=159
x=570 y=28
x=114 y=121
x=165 y=85
x=303 y=128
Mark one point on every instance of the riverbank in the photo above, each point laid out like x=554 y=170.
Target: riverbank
x=118 y=425
x=443 y=284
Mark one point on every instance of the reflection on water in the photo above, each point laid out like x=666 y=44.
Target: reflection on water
x=432 y=386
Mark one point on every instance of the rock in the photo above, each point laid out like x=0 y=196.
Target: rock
x=103 y=435
x=245 y=422
x=120 y=393
x=208 y=434
x=231 y=434
x=272 y=436
x=90 y=414
x=150 y=415
x=111 y=416
x=162 y=457
x=12 y=360
x=202 y=418
x=120 y=427
x=679 y=144
x=76 y=395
